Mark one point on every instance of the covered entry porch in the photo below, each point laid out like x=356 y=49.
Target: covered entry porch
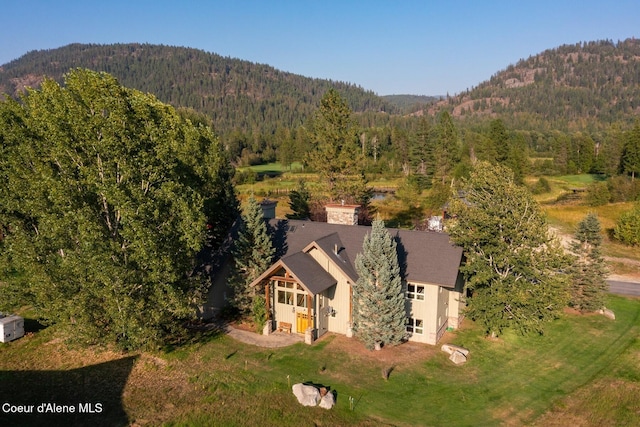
x=295 y=291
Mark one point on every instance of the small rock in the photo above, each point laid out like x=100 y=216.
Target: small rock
x=609 y=314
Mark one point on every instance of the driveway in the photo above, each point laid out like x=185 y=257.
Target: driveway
x=621 y=285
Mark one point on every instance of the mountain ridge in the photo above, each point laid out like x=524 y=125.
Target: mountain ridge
x=570 y=87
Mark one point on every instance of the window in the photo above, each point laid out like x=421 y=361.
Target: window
x=415 y=292
x=290 y=293
x=415 y=326
x=301 y=300
x=285 y=297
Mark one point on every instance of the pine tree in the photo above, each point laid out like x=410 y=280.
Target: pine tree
x=336 y=155
x=299 y=202
x=630 y=160
x=378 y=301
x=252 y=254
x=588 y=272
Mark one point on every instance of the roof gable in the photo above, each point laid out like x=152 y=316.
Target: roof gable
x=425 y=257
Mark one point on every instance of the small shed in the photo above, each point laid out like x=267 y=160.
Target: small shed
x=11 y=328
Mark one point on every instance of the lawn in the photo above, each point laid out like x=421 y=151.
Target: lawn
x=584 y=368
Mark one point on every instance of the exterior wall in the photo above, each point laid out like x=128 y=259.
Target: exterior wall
x=435 y=310
x=455 y=308
x=442 y=317
x=338 y=297
x=425 y=311
x=289 y=313
x=342 y=214
x=268 y=208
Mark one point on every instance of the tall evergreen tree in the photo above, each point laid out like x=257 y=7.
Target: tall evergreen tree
x=252 y=254
x=588 y=271
x=378 y=300
x=336 y=156
x=299 y=202
x=500 y=140
x=630 y=161
x=512 y=264
x=447 y=148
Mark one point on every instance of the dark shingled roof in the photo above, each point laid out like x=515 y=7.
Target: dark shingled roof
x=425 y=257
x=309 y=272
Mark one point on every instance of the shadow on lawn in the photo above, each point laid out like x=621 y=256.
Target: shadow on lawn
x=89 y=396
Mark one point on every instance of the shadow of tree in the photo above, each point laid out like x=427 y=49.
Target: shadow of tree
x=90 y=396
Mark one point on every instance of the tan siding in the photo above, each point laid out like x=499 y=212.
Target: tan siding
x=338 y=295
x=455 y=306
x=426 y=310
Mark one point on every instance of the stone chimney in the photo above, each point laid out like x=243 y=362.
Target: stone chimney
x=342 y=214
x=268 y=208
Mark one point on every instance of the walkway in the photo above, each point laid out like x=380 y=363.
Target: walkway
x=275 y=339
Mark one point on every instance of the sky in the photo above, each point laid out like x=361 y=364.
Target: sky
x=389 y=47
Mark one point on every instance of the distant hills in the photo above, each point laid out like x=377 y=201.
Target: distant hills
x=236 y=94
x=569 y=87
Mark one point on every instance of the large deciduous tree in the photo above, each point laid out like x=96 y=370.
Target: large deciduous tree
x=105 y=197
x=378 y=301
x=588 y=270
x=512 y=263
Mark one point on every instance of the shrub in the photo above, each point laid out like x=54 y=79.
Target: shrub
x=627 y=229
x=623 y=189
x=259 y=312
x=542 y=186
x=598 y=194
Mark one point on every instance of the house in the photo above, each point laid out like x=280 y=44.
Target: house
x=308 y=288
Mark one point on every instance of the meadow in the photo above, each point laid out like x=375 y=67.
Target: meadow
x=584 y=371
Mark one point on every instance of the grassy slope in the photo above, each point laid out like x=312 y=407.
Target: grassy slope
x=513 y=380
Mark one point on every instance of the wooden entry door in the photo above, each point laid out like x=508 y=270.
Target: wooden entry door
x=302 y=322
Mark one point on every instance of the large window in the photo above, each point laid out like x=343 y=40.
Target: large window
x=415 y=326
x=415 y=292
x=290 y=293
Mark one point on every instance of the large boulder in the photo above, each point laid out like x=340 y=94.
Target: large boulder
x=458 y=357
x=450 y=349
x=307 y=395
x=327 y=401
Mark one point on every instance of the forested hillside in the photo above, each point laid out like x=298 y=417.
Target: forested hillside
x=565 y=110
x=580 y=86
x=235 y=94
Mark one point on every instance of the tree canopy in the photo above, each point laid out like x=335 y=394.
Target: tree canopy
x=105 y=197
x=512 y=263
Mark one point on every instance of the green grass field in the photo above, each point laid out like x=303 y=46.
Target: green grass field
x=584 y=367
